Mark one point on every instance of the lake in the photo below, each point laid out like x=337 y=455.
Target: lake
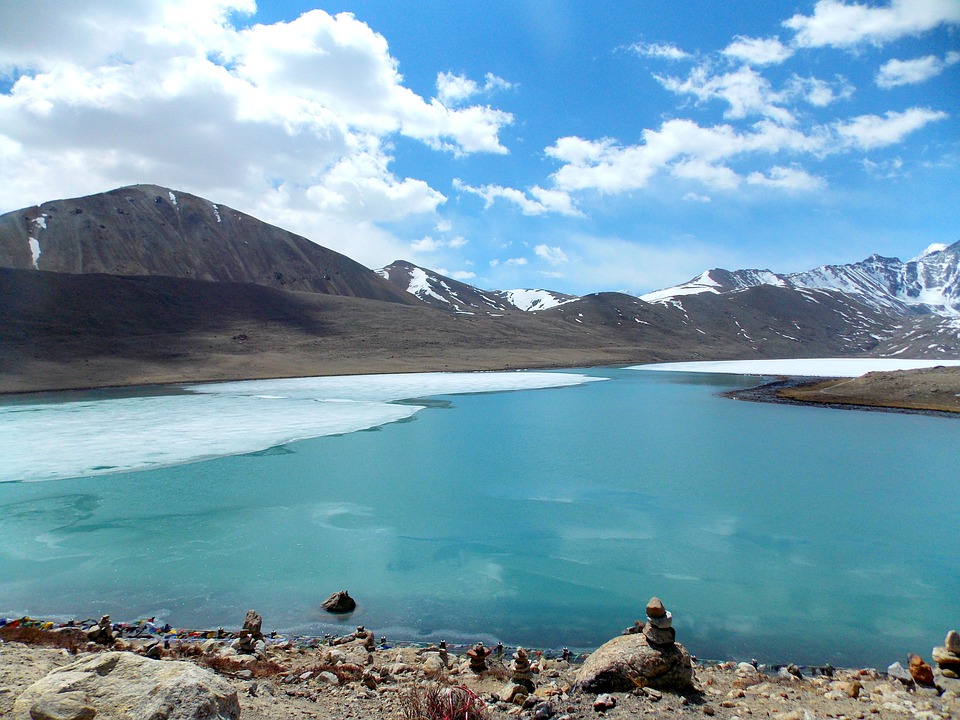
x=487 y=507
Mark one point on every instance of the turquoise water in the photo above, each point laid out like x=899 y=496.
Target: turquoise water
x=541 y=517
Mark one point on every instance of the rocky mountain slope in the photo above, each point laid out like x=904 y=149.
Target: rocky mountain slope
x=150 y=230
x=929 y=283
x=145 y=284
x=446 y=293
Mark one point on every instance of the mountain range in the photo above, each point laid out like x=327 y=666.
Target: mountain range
x=147 y=284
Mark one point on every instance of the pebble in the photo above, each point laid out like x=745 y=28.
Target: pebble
x=604 y=702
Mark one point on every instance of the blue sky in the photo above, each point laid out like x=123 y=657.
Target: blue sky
x=569 y=145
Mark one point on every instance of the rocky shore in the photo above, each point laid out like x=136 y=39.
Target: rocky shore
x=81 y=671
x=930 y=391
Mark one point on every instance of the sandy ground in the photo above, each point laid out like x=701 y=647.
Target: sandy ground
x=291 y=686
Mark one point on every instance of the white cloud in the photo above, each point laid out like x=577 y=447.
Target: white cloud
x=457 y=274
x=428 y=244
x=840 y=24
x=680 y=147
x=543 y=200
x=758 y=51
x=425 y=244
x=894 y=73
x=787 y=178
x=658 y=50
x=745 y=90
x=290 y=121
x=455 y=89
x=517 y=261
x=552 y=255
x=868 y=132
x=819 y=93
x=694 y=197
x=885 y=169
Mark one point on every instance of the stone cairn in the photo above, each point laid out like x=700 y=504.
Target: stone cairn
x=522 y=671
x=478 y=657
x=250 y=633
x=947 y=656
x=659 y=627
x=102 y=632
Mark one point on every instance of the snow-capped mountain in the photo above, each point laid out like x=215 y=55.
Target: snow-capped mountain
x=930 y=283
x=455 y=296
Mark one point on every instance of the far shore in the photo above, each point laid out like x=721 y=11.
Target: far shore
x=930 y=390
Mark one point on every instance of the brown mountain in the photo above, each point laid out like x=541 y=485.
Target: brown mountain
x=150 y=230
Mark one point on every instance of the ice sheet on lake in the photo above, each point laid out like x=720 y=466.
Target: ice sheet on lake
x=48 y=441
x=811 y=367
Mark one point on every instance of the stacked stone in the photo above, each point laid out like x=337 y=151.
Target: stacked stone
x=522 y=672
x=947 y=656
x=478 y=657
x=659 y=630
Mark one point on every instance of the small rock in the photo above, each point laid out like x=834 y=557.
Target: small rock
x=604 y=702
x=952 y=642
x=543 y=711
x=340 y=602
x=708 y=710
x=433 y=666
x=659 y=636
x=653 y=694
x=510 y=692
x=896 y=670
x=921 y=673
x=328 y=677
x=253 y=623
x=655 y=608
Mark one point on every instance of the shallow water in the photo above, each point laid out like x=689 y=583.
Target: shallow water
x=541 y=517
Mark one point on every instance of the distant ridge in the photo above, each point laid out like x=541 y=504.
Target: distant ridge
x=452 y=295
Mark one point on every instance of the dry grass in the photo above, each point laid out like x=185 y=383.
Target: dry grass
x=433 y=701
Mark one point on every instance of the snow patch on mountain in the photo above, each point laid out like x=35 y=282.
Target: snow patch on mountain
x=34 y=252
x=930 y=283
x=532 y=300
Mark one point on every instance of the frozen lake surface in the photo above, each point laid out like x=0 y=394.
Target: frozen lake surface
x=544 y=516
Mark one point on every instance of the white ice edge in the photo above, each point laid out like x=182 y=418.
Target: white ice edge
x=806 y=367
x=97 y=437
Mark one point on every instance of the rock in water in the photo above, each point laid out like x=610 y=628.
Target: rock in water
x=630 y=660
x=340 y=602
x=120 y=685
x=947 y=656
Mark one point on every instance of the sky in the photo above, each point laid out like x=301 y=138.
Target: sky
x=575 y=146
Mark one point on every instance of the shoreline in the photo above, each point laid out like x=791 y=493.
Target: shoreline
x=277 y=678
x=772 y=393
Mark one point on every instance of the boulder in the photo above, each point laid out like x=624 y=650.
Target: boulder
x=340 y=602
x=118 y=685
x=630 y=661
